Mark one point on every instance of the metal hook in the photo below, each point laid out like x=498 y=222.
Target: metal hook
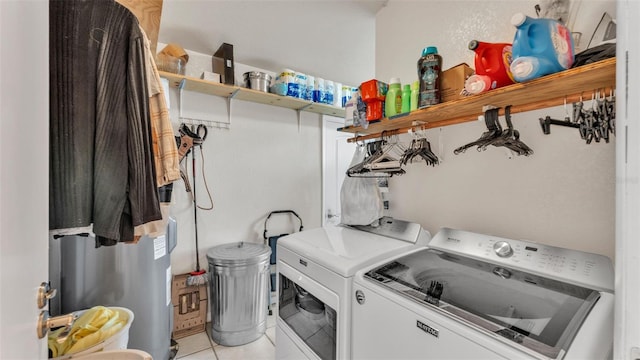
x=383 y=135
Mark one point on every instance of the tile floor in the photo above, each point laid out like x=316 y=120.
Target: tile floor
x=201 y=347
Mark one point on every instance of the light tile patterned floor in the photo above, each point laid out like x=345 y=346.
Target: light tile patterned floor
x=201 y=347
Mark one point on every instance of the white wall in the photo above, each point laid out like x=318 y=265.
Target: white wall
x=262 y=163
x=326 y=38
x=562 y=195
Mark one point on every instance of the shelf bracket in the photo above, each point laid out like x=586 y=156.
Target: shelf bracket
x=233 y=94
x=180 y=89
x=298 y=111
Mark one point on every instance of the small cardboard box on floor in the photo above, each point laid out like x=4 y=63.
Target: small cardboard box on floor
x=452 y=82
x=189 y=307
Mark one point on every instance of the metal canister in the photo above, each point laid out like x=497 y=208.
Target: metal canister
x=238 y=292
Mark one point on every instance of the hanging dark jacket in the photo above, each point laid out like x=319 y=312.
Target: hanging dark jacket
x=101 y=161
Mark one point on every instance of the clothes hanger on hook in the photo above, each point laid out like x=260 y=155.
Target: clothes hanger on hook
x=547 y=121
x=420 y=148
x=496 y=136
x=511 y=136
x=493 y=130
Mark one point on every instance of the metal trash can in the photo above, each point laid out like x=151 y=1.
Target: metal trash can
x=238 y=292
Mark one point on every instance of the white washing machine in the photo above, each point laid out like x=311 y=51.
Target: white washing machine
x=315 y=274
x=475 y=296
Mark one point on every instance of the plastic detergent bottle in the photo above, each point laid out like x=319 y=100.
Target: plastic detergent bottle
x=540 y=47
x=393 y=100
x=415 y=91
x=429 y=71
x=492 y=62
x=406 y=99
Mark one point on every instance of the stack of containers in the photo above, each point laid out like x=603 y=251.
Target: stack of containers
x=311 y=88
x=373 y=93
x=346 y=95
x=301 y=80
x=328 y=92
x=337 y=95
x=318 y=90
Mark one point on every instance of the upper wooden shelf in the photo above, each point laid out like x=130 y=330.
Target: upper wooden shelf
x=551 y=90
x=241 y=93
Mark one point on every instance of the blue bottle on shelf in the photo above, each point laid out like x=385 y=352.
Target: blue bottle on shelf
x=540 y=47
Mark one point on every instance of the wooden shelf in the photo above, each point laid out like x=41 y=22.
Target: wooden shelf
x=241 y=93
x=551 y=90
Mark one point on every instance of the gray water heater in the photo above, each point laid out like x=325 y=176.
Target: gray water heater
x=134 y=276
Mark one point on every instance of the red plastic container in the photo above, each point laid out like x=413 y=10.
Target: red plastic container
x=492 y=62
x=374 y=110
x=373 y=90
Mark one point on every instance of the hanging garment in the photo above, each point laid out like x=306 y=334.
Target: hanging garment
x=165 y=150
x=101 y=163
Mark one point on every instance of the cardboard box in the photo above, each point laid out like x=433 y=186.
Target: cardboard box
x=189 y=307
x=209 y=76
x=452 y=82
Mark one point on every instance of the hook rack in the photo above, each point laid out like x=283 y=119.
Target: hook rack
x=594 y=123
x=205 y=122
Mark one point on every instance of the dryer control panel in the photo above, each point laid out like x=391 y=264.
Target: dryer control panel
x=581 y=268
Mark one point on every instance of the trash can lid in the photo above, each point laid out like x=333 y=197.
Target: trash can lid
x=238 y=253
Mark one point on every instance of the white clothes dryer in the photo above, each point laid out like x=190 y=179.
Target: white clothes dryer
x=315 y=273
x=475 y=296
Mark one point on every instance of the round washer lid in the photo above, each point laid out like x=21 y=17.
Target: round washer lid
x=238 y=253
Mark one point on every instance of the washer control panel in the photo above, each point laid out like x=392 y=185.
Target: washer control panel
x=581 y=268
x=503 y=249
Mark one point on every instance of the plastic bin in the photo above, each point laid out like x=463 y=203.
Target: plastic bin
x=238 y=292
x=117 y=341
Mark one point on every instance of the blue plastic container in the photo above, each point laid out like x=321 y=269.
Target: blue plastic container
x=540 y=47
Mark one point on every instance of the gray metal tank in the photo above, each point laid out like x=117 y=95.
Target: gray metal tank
x=135 y=276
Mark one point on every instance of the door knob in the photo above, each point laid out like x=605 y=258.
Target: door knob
x=46 y=322
x=45 y=292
